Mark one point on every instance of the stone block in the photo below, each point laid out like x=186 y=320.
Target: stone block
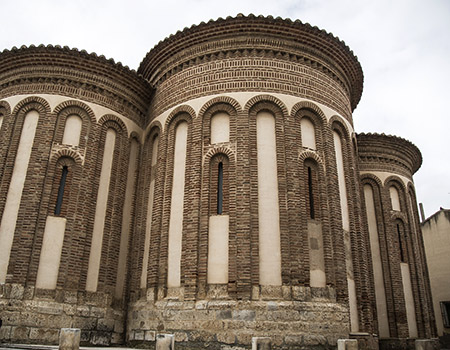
x=69 y=339
x=347 y=344
x=293 y=339
x=426 y=344
x=261 y=343
x=165 y=342
x=227 y=338
x=17 y=291
x=150 y=335
x=70 y=297
x=5 y=333
x=45 y=335
x=139 y=335
x=223 y=314
x=20 y=333
x=118 y=326
x=180 y=336
x=244 y=315
x=117 y=338
x=105 y=324
x=101 y=338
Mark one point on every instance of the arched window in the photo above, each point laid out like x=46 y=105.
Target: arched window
x=62 y=185
x=1 y=120
x=395 y=199
x=72 y=130
x=310 y=194
x=308 y=133
x=219 y=188
x=220 y=128
x=401 y=243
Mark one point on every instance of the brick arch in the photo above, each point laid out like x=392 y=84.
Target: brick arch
x=136 y=136
x=371 y=179
x=113 y=121
x=266 y=101
x=307 y=154
x=219 y=150
x=154 y=125
x=6 y=107
x=395 y=180
x=33 y=102
x=184 y=110
x=77 y=106
x=66 y=153
x=311 y=107
x=233 y=106
x=336 y=123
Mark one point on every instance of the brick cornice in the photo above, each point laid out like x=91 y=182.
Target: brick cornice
x=256 y=36
x=388 y=153
x=60 y=70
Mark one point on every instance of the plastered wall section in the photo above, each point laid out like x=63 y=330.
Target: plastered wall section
x=436 y=237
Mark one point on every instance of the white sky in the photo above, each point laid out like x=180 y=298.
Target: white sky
x=402 y=45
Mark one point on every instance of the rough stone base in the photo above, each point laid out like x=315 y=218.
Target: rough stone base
x=32 y=315
x=313 y=321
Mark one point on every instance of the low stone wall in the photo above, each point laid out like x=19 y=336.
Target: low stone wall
x=314 y=322
x=34 y=315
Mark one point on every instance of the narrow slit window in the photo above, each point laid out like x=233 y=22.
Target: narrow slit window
x=402 y=255
x=310 y=194
x=220 y=189
x=62 y=184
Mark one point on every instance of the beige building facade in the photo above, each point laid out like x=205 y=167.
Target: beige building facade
x=436 y=238
x=219 y=193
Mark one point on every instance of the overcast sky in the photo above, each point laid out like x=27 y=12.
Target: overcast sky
x=403 y=47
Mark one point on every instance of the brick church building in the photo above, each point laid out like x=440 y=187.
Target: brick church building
x=218 y=193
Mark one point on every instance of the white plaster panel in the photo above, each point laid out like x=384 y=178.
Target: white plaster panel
x=72 y=130
x=354 y=318
x=126 y=219
x=395 y=200
x=341 y=181
x=49 y=261
x=380 y=293
x=317 y=277
x=220 y=128
x=268 y=209
x=100 y=212
x=409 y=300
x=14 y=196
x=148 y=224
x=308 y=133
x=176 y=207
x=218 y=249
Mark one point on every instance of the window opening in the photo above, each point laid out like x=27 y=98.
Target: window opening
x=220 y=189
x=310 y=194
x=402 y=256
x=62 y=184
x=445 y=309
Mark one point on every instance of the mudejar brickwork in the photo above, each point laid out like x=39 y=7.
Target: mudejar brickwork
x=219 y=193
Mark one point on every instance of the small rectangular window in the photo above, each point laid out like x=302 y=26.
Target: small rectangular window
x=445 y=309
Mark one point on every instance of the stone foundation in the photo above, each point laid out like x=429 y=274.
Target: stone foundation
x=32 y=315
x=314 y=320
